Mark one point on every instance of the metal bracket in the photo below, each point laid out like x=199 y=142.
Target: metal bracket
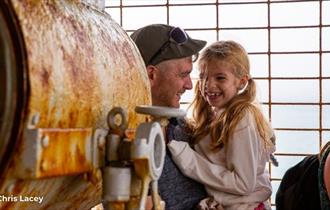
x=49 y=152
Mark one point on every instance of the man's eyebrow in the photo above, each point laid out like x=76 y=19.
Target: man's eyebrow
x=186 y=72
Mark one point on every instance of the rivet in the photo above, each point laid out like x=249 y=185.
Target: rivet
x=45 y=141
x=43 y=165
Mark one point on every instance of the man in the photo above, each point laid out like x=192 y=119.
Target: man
x=168 y=53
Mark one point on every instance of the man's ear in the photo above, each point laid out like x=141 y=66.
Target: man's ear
x=152 y=74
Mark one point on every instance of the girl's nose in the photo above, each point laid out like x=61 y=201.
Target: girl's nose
x=210 y=84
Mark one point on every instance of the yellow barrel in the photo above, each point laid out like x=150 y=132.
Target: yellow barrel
x=64 y=65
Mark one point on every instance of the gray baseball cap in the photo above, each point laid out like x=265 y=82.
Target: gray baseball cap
x=160 y=42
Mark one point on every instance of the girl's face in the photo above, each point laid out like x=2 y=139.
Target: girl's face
x=221 y=84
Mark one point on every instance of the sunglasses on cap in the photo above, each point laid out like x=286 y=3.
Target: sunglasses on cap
x=177 y=36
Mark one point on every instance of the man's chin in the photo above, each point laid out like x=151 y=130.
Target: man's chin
x=176 y=105
x=176 y=102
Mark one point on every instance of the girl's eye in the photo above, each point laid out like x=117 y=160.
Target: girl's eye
x=220 y=77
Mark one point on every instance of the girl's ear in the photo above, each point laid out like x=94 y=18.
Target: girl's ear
x=243 y=82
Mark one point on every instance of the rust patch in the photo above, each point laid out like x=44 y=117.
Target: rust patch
x=117 y=205
x=44 y=78
x=51 y=7
x=65 y=152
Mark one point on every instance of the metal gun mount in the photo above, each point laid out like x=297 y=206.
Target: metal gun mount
x=131 y=165
x=53 y=118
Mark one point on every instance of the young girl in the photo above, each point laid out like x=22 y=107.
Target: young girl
x=232 y=138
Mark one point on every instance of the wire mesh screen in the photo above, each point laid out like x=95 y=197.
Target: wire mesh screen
x=289 y=47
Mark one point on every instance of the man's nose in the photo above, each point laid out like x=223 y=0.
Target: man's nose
x=188 y=83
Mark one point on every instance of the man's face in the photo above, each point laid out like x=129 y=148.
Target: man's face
x=171 y=79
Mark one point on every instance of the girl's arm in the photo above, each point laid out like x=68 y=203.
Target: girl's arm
x=242 y=162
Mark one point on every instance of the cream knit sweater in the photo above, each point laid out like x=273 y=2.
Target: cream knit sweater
x=236 y=175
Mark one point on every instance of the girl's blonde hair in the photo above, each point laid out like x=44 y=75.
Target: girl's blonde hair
x=221 y=126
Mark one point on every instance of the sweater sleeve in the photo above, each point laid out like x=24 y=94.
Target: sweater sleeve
x=239 y=177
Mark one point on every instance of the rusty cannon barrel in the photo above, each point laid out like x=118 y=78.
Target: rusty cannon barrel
x=64 y=65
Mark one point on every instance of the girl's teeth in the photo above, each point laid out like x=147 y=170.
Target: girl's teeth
x=214 y=94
